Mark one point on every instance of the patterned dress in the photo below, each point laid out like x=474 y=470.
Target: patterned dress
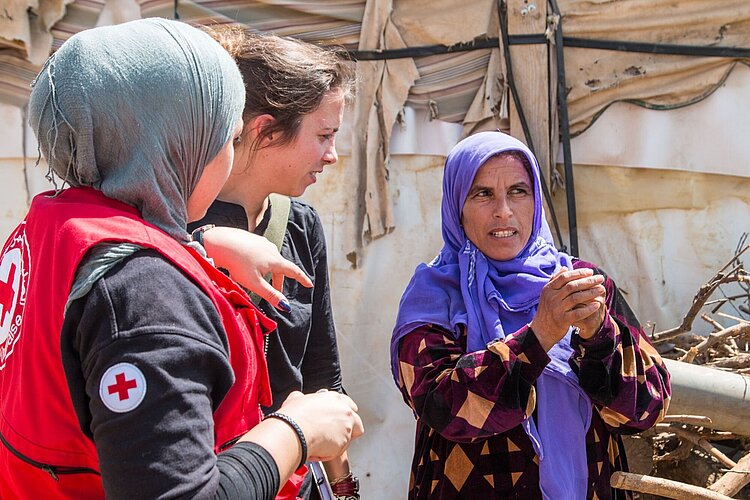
x=469 y=406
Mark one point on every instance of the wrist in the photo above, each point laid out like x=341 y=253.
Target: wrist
x=345 y=487
x=585 y=334
x=298 y=431
x=198 y=234
x=600 y=334
x=543 y=340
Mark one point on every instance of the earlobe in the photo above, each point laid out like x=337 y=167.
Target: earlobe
x=260 y=124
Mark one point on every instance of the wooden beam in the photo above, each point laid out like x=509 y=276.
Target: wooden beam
x=735 y=479
x=531 y=74
x=662 y=487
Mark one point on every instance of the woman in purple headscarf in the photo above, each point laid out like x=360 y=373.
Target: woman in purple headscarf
x=522 y=364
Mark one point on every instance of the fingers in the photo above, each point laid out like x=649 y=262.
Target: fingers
x=271 y=295
x=343 y=397
x=286 y=268
x=350 y=402
x=563 y=269
x=562 y=278
x=583 y=296
x=583 y=311
x=274 y=294
x=293 y=395
x=574 y=290
x=359 y=427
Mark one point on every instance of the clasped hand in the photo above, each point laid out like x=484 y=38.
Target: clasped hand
x=571 y=298
x=329 y=421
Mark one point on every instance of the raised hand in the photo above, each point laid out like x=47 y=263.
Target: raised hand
x=248 y=257
x=570 y=298
x=589 y=325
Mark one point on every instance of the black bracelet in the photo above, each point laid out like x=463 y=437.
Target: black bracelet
x=300 y=435
x=197 y=234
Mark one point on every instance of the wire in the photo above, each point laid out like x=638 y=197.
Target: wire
x=562 y=105
x=581 y=43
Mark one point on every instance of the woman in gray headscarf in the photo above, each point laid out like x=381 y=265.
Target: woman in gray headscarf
x=129 y=365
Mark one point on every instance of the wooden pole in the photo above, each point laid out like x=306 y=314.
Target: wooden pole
x=662 y=487
x=735 y=479
x=531 y=74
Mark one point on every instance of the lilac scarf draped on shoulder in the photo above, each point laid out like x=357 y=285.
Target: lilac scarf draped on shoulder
x=491 y=299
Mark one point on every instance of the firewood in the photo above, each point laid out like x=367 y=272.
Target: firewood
x=714 y=338
x=735 y=479
x=662 y=487
x=737 y=362
x=708 y=447
x=723 y=276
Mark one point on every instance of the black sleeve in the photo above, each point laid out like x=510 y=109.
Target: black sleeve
x=320 y=367
x=147 y=314
x=247 y=471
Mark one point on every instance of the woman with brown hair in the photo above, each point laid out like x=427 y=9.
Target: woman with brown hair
x=294 y=102
x=130 y=367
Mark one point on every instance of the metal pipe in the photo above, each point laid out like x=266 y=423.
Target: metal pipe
x=722 y=396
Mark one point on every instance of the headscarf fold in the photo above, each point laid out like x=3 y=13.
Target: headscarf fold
x=463 y=288
x=136 y=111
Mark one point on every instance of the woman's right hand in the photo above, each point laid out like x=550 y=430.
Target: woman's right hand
x=569 y=297
x=328 y=420
x=248 y=257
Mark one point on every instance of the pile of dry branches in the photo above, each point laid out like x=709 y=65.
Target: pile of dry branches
x=727 y=347
x=683 y=457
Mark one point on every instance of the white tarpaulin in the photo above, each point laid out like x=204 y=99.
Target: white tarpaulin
x=658 y=231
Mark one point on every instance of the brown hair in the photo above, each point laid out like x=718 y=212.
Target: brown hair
x=284 y=77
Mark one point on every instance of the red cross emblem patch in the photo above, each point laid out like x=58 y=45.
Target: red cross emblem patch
x=14 y=276
x=122 y=387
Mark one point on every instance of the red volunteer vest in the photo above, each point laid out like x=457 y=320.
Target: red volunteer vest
x=43 y=453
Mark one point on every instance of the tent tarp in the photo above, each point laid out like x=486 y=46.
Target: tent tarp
x=469 y=88
x=662 y=197
x=660 y=232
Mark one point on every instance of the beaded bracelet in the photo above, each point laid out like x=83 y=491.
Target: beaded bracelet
x=346 y=486
x=300 y=435
x=197 y=234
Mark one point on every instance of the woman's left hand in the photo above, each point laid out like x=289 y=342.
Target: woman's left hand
x=570 y=298
x=248 y=257
x=589 y=325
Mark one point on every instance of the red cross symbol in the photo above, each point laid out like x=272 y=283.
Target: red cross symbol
x=6 y=291
x=122 y=386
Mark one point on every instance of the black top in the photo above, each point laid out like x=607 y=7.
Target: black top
x=163 y=447
x=304 y=355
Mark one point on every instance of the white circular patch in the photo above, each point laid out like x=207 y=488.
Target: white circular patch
x=15 y=268
x=122 y=387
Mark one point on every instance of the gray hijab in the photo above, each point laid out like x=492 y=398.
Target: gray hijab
x=136 y=111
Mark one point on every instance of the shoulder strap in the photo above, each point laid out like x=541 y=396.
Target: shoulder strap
x=276 y=229
x=280 y=206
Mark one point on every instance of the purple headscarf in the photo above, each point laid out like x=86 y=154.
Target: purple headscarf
x=491 y=299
